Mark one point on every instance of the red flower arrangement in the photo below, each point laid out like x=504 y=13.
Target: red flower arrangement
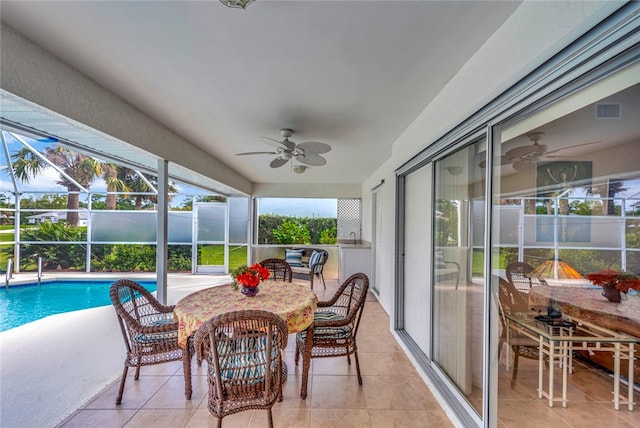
x=249 y=276
x=621 y=281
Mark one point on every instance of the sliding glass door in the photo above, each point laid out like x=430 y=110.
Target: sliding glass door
x=457 y=274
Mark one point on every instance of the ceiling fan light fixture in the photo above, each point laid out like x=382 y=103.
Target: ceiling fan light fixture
x=454 y=170
x=237 y=4
x=299 y=169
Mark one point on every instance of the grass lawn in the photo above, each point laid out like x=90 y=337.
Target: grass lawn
x=214 y=255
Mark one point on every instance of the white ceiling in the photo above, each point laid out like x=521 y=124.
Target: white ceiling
x=351 y=74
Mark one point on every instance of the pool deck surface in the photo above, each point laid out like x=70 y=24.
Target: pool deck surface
x=62 y=360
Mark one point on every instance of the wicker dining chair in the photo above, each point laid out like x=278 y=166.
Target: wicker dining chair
x=149 y=331
x=334 y=328
x=512 y=301
x=244 y=358
x=279 y=269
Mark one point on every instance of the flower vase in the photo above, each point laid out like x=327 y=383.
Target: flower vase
x=249 y=291
x=611 y=293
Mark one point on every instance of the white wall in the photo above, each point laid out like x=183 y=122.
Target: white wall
x=533 y=34
x=308 y=190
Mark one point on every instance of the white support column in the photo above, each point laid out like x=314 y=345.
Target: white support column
x=162 y=231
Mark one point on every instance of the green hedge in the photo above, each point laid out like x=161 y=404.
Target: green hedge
x=278 y=229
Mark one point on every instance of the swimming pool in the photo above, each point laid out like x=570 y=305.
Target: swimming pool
x=21 y=304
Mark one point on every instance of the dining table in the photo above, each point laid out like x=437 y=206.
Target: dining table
x=294 y=303
x=587 y=303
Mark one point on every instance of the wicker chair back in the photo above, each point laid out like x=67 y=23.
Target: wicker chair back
x=243 y=353
x=279 y=269
x=335 y=326
x=150 y=334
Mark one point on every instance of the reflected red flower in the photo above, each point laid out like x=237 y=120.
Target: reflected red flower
x=623 y=281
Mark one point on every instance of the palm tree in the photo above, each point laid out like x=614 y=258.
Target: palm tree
x=609 y=191
x=138 y=184
x=77 y=169
x=116 y=179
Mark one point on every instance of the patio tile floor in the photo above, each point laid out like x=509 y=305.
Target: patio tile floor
x=392 y=393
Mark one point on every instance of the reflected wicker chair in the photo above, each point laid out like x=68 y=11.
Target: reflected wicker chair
x=518 y=273
x=149 y=331
x=334 y=329
x=280 y=270
x=513 y=301
x=243 y=353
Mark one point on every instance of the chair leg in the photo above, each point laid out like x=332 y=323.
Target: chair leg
x=186 y=368
x=122 y=381
x=515 y=367
x=306 y=362
x=219 y=422
x=355 y=355
x=270 y=418
x=137 y=372
x=297 y=357
x=323 y=283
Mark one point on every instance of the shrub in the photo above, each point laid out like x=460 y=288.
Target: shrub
x=272 y=230
x=291 y=232
x=55 y=253
x=142 y=258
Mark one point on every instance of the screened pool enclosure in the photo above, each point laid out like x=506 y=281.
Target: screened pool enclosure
x=76 y=212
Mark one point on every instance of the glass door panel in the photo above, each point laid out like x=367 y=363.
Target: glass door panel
x=566 y=188
x=211 y=237
x=458 y=289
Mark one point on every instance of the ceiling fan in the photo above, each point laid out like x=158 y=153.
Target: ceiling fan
x=523 y=157
x=307 y=153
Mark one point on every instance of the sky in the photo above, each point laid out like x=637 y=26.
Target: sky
x=299 y=207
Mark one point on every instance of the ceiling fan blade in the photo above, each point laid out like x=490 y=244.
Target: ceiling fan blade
x=256 y=153
x=275 y=143
x=285 y=144
x=502 y=161
x=526 y=151
x=314 y=147
x=571 y=147
x=278 y=162
x=522 y=165
x=311 y=159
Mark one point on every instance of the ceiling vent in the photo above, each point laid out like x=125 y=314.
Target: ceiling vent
x=607 y=111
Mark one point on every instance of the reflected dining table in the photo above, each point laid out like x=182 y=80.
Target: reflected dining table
x=294 y=303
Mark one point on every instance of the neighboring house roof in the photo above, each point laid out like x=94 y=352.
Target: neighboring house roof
x=57 y=214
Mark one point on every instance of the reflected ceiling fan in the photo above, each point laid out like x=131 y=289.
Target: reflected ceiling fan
x=523 y=157
x=307 y=153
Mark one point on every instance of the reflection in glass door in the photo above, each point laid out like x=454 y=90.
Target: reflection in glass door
x=566 y=204
x=458 y=289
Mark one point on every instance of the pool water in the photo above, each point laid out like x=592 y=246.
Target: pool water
x=21 y=304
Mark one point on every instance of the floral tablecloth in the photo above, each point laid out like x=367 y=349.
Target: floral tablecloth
x=294 y=303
